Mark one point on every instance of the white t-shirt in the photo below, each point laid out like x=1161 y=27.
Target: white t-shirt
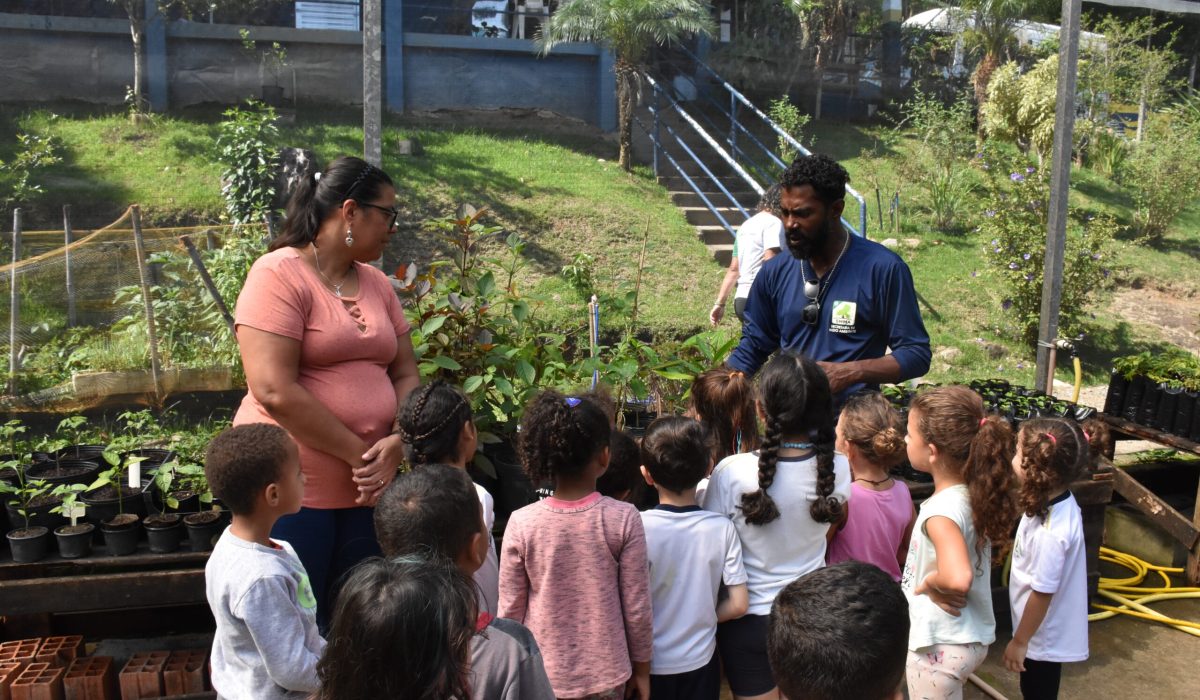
x=755 y=236
x=1049 y=557
x=930 y=624
x=784 y=549
x=487 y=577
x=691 y=551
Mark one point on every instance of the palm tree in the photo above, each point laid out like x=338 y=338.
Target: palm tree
x=994 y=33
x=629 y=28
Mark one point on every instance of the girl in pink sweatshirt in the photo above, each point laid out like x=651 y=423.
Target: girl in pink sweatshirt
x=573 y=567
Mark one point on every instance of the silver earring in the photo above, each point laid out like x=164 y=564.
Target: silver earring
x=349 y=237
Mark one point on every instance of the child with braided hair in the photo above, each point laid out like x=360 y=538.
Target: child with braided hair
x=437 y=428
x=1048 y=581
x=782 y=500
x=573 y=567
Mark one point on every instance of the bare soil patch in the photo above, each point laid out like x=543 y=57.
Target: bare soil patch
x=1174 y=313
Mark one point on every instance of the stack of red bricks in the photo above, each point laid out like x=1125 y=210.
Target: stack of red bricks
x=55 y=668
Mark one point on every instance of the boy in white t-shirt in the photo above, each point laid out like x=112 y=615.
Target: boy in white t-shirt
x=691 y=552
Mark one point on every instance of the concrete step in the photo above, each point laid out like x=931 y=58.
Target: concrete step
x=688 y=198
x=703 y=216
x=717 y=167
x=673 y=182
x=714 y=236
x=722 y=253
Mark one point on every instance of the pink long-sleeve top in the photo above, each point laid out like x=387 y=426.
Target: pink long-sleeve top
x=575 y=573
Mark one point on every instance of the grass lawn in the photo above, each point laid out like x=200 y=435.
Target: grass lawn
x=560 y=189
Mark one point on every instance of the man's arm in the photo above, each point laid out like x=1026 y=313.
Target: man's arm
x=760 y=333
x=907 y=336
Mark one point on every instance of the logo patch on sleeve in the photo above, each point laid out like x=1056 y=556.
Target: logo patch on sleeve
x=843 y=317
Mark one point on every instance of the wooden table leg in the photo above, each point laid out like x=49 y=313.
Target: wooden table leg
x=1193 y=565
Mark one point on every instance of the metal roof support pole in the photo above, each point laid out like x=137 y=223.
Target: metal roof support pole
x=1060 y=189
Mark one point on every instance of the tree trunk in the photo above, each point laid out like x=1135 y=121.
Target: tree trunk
x=137 y=25
x=1141 y=116
x=626 y=74
x=819 y=76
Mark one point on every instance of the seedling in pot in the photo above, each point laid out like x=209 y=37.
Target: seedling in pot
x=24 y=497
x=173 y=480
x=70 y=507
x=113 y=476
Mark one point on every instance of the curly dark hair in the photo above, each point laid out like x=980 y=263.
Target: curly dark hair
x=871 y=424
x=433 y=508
x=243 y=460
x=1054 y=452
x=796 y=399
x=677 y=452
x=980 y=447
x=560 y=435
x=769 y=201
x=426 y=608
x=622 y=480
x=431 y=421
x=839 y=632
x=827 y=178
x=723 y=399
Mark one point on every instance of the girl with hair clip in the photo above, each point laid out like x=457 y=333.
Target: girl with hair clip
x=879 y=523
x=402 y=630
x=437 y=428
x=573 y=567
x=782 y=500
x=947 y=575
x=1048 y=580
x=328 y=358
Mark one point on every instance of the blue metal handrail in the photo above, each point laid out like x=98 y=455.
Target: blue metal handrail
x=736 y=98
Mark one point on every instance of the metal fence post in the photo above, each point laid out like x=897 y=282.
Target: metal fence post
x=68 y=239
x=144 y=276
x=733 y=125
x=14 y=304
x=656 y=139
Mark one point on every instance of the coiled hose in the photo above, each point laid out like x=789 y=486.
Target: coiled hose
x=1132 y=597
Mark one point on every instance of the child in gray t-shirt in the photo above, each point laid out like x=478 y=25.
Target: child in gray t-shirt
x=267 y=644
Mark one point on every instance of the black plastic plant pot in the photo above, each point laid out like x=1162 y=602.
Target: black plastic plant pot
x=29 y=544
x=86 y=452
x=1081 y=412
x=121 y=534
x=1185 y=407
x=164 y=532
x=11 y=475
x=1134 y=394
x=1168 y=401
x=1195 y=430
x=1115 y=398
x=103 y=504
x=1148 y=414
x=38 y=512
x=203 y=529
x=64 y=471
x=151 y=457
x=74 y=541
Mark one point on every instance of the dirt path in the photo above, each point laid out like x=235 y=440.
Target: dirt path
x=1173 y=314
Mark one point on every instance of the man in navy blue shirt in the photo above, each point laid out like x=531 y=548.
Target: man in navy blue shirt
x=839 y=298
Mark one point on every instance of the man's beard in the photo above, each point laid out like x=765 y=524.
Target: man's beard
x=803 y=247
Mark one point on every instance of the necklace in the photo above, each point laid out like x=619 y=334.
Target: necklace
x=872 y=482
x=823 y=283
x=796 y=445
x=337 y=286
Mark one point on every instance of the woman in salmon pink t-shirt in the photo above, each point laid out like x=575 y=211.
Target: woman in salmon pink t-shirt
x=328 y=357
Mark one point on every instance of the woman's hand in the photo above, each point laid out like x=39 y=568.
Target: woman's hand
x=378 y=468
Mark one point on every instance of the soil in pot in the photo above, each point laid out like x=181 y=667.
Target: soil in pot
x=203 y=529
x=38 y=512
x=121 y=534
x=64 y=471
x=86 y=452
x=103 y=503
x=189 y=501
x=74 y=541
x=152 y=457
x=164 y=531
x=29 y=544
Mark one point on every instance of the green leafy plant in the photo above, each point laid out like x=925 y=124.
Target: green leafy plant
x=1163 y=175
x=247 y=153
x=35 y=152
x=1014 y=224
x=115 y=476
x=69 y=493
x=1020 y=106
x=792 y=121
x=1174 y=367
x=945 y=144
x=173 y=478
x=272 y=57
x=580 y=273
x=25 y=495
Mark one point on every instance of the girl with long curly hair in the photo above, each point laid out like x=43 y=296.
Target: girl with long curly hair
x=948 y=570
x=573 y=567
x=1048 y=581
x=782 y=500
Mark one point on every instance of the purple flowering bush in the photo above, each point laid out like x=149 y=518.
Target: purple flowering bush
x=1013 y=230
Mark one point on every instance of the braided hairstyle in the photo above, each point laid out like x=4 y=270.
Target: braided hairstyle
x=560 y=435
x=795 y=396
x=431 y=421
x=723 y=399
x=1054 y=452
x=979 y=446
x=871 y=424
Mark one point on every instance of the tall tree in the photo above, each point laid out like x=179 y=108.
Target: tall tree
x=828 y=22
x=630 y=28
x=993 y=34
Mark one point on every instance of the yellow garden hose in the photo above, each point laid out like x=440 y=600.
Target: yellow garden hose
x=1132 y=597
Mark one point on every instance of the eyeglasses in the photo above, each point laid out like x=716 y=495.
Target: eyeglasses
x=391 y=211
x=811 y=313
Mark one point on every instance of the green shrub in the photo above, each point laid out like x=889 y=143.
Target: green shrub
x=36 y=151
x=1163 y=176
x=1013 y=226
x=247 y=154
x=939 y=168
x=791 y=120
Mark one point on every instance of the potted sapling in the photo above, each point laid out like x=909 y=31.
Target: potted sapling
x=164 y=530
x=120 y=529
x=75 y=539
x=72 y=462
x=206 y=524
x=29 y=542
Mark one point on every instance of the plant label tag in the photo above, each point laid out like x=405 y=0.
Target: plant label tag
x=77 y=512
x=135 y=475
